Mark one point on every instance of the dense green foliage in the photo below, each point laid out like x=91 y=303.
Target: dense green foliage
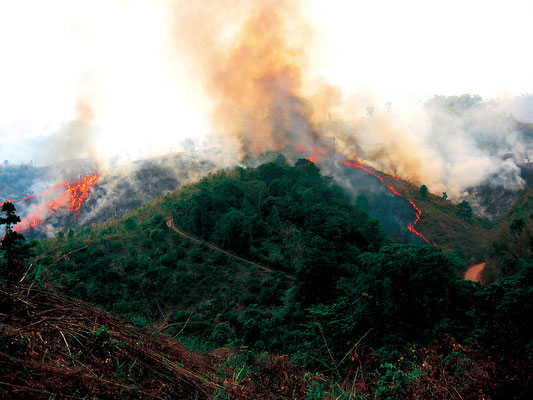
x=424 y=192
x=290 y=218
x=147 y=272
x=352 y=288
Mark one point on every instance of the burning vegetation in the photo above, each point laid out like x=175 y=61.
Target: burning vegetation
x=72 y=196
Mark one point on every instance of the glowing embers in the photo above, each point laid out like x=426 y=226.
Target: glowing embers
x=79 y=191
x=72 y=197
x=418 y=212
x=355 y=165
x=324 y=155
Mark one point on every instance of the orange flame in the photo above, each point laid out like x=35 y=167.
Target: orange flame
x=355 y=165
x=418 y=212
x=73 y=197
x=79 y=191
x=34 y=195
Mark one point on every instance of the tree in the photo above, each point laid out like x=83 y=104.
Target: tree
x=464 y=210
x=517 y=226
x=424 y=192
x=407 y=294
x=13 y=247
x=11 y=218
x=189 y=146
x=233 y=231
x=444 y=195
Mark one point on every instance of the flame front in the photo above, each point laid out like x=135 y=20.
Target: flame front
x=79 y=191
x=418 y=212
x=73 y=197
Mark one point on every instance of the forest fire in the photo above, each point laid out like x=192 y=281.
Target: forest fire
x=418 y=212
x=73 y=197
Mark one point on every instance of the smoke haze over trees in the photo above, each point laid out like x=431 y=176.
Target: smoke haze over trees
x=245 y=74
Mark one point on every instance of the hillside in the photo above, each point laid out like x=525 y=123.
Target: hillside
x=140 y=268
x=397 y=203
x=123 y=189
x=55 y=346
x=451 y=228
x=279 y=260
x=19 y=180
x=16 y=181
x=511 y=240
x=38 y=192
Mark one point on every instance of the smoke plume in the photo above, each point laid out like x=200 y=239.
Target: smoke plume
x=450 y=144
x=253 y=70
x=254 y=62
x=76 y=138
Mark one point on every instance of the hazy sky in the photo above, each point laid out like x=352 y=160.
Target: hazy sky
x=422 y=47
x=116 y=56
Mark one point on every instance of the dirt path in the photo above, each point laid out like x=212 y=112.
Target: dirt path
x=473 y=273
x=170 y=224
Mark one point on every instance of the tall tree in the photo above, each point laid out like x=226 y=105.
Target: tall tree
x=424 y=191
x=14 y=250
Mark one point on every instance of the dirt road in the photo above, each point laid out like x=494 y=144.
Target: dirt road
x=473 y=273
x=171 y=225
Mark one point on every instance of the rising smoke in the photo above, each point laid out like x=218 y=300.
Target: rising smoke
x=449 y=143
x=257 y=73
x=253 y=68
x=76 y=139
x=254 y=62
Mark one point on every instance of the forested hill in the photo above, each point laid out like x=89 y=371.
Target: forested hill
x=332 y=293
x=289 y=219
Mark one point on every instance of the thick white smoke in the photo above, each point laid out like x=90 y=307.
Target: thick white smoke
x=450 y=144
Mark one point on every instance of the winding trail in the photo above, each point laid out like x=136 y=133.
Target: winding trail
x=170 y=224
x=473 y=273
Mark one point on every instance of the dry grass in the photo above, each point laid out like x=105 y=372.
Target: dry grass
x=54 y=345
